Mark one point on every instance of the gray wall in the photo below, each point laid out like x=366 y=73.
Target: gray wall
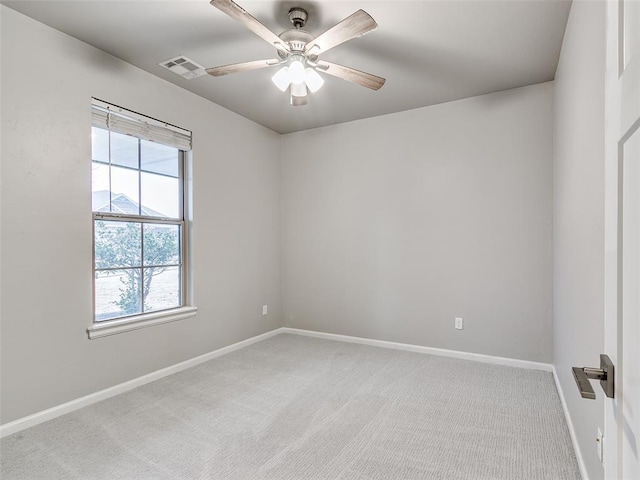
x=393 y=226
x=578 y=215
x=48 y=80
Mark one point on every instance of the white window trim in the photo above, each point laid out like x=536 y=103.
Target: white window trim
x=180 y=139
x=121 y=325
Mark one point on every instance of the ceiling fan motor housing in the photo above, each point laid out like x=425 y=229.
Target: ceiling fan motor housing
x=296 y=39
x=298 y=16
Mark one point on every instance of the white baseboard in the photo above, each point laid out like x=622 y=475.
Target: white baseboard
x=476 y=357
x=572 y=432
x=59 y=410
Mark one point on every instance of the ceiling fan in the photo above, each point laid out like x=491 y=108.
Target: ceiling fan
x=298 y=51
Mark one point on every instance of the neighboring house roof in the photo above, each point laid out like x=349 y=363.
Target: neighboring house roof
x=120 y=203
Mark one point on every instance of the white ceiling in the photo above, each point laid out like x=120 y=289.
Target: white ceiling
x=429 y=51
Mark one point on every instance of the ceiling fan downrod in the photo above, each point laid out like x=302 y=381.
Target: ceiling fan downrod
x=298 y=17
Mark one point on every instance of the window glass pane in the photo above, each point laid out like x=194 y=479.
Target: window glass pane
x=164 y=289
x=160 y=195
x=125 y=191
x=124 y=150
x=161 y=244
x=117 y=244
x=158 y=158
x=99 y=145
x=138 y=265
x=118 y=293
x=100 y=187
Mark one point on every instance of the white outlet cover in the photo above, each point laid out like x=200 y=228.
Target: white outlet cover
x=265 y=309
x=459 y=323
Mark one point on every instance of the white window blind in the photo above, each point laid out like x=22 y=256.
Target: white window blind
x=121 y=120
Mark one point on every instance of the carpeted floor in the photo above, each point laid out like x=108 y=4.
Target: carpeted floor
x=299 y=408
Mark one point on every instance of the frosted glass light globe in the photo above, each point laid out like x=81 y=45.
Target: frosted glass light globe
x=281 y=79
x=296 y=72
x=313 y=80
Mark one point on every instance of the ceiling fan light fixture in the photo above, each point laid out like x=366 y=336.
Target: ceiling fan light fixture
x=313 y=80
x=298 y=101
x=281 y=79
x=296 y=71
x=299 y=89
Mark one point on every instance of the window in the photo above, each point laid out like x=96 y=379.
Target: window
x=139 y=235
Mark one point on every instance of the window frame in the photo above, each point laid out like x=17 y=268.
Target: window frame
x=101 y=328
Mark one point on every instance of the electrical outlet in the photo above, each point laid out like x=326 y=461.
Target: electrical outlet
x=459 y=323
x=265 y=309
x=600 y=445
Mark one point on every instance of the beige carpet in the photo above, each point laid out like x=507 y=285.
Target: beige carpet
x=295 y=407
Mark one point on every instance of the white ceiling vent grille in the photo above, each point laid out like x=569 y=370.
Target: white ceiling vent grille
x=184 y=67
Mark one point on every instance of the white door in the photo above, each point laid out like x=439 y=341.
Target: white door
x=622 y=238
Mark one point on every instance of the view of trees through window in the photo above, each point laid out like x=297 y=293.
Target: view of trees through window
x=137 y=204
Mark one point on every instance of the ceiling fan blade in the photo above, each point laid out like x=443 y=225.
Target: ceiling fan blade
x=241 y=67
x=238 y=13
x=352 y=75
x=353 y=26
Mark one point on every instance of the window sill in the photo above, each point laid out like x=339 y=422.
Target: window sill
x=113 y=327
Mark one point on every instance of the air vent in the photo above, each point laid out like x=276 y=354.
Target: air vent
x=184 y=67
